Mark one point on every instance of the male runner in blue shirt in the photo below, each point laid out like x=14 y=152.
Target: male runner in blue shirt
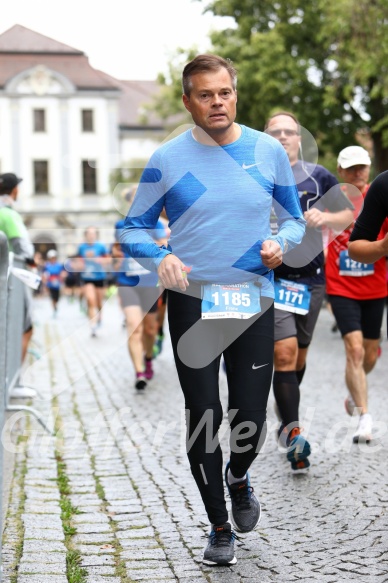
x=218 y=183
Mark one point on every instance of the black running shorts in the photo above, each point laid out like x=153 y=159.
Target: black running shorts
x=96 y=282
x=364 y=315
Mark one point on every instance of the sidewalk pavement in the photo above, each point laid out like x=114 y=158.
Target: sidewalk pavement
x=111 y=498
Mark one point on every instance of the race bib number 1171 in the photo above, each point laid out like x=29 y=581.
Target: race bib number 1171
x=292 y=297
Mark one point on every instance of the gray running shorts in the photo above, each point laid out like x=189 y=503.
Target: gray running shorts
x=145 y=297
x=288 y=324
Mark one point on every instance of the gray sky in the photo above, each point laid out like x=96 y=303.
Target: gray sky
x=126 y=38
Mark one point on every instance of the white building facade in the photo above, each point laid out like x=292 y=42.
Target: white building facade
x=64 y=127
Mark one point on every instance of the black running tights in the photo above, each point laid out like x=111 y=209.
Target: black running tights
x=197 y=346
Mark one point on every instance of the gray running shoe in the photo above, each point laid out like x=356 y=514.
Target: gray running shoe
x=220 y=546
x=246 y=510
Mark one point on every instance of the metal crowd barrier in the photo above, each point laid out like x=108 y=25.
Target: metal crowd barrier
x=3 y=337
x=13 y=345
x=12 y=304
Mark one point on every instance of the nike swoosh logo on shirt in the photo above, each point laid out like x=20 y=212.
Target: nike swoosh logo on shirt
x=246 y=166
x=260 y=366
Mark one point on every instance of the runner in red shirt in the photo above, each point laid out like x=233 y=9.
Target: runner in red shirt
x=357 y=293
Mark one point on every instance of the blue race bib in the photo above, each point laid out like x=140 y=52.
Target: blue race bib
x=239 y=300
x=353 y=268
x=292 y=297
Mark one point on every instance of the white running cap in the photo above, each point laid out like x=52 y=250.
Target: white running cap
x=352 y=156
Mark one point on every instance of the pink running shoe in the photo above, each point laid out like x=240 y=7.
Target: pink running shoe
x=149 y=371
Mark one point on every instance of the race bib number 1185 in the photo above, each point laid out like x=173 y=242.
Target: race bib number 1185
x=240 y=300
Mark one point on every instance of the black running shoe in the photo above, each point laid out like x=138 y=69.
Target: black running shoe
x=141 y=381
x=220 y=546
x=246 y=510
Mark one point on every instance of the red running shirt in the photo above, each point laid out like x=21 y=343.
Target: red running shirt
x=368 y=287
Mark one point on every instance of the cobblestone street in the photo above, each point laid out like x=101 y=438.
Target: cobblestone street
x=111 y=498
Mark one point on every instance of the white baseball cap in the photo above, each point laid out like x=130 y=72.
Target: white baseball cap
x=353 y=155
x=52 y=253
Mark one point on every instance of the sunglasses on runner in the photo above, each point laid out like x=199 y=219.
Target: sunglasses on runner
x=276 y=133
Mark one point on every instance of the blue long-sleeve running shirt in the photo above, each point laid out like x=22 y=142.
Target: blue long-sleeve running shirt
x=218 y=200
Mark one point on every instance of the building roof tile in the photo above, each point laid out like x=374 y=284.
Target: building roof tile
x=19 y=39
x=76 y=68
x=22 y=49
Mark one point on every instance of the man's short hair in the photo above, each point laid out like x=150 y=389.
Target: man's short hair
x=288 y=114
x=205 y=64
x=8 y=181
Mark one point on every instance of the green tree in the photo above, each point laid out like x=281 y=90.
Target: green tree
x=325 y=60
x=167 y=104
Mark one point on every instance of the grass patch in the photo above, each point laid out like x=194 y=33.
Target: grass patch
x=15 y=518
x=62 y=480
x=68 y=510
x=100 y=490
x=75 y=573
